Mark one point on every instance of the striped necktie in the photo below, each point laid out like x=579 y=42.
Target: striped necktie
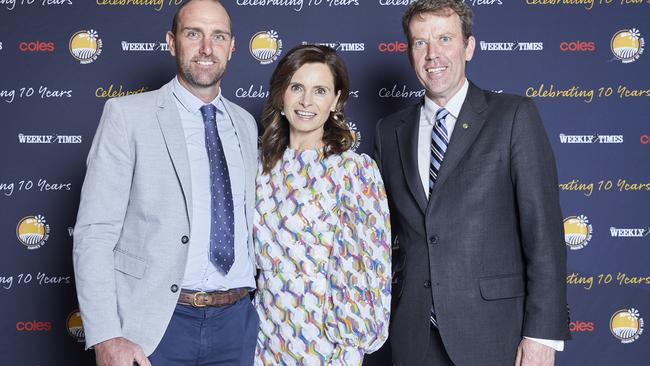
x=439 y=141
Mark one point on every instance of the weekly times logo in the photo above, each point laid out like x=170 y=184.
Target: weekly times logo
x=341 y=46
x=85 y=46
x=629 y=232
x=511 y=46
x=626 y=325
x=591 y=139
x=577 y=232
x=265 y=46
x=33 y=231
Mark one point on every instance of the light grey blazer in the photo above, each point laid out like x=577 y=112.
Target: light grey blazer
x=129 y=256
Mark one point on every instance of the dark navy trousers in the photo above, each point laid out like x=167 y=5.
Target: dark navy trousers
x=209 y=336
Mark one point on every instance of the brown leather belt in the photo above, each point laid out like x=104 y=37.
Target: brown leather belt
x=200 y=299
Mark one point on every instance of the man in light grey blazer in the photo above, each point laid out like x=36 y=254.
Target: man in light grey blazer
x=163 y=252
x=473 y=194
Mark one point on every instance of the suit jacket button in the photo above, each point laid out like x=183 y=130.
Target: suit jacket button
x=174 y=288
x=185 y=239
x=427 y=284
x=433 y=240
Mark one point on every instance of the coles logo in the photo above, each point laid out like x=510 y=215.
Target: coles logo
x=577 y=232
x=580 y=326
x=392 y=47
x=75 y=327
x=34 y=326
x=36 y=46
x=645 y=139
x=627 y=45
x=626 y=325
x=32 y=231
x=265 y=46
x=578 y=46
x=85 y=46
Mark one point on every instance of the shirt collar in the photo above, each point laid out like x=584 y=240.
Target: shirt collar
x=189 y=101
x=453 y=105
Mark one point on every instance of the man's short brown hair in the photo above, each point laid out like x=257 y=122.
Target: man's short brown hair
x=439 y=6
x=178 y=11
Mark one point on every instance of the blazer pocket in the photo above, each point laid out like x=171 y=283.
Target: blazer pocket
x=502 y=287
x=483 y=161
x=129 y=264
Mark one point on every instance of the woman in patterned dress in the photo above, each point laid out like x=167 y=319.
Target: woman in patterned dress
x=321 y=228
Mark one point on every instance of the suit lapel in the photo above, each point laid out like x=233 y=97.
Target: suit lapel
x=172 y=130
x=407 y=141
x=468 y=125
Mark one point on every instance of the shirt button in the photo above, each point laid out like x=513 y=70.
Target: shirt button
x=433 y=240
x=185 y=239
x=174 y=288
x=427 y=284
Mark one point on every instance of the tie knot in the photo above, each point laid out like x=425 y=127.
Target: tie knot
x=208 y=112
x=441 y=114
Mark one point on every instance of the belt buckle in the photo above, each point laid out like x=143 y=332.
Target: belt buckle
x=194 y=303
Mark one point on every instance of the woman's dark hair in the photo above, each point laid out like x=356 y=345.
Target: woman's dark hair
x=337 y=136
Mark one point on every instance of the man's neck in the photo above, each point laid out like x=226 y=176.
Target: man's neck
x=206 y=94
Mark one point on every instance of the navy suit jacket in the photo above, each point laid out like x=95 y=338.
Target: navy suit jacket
x=488 y=246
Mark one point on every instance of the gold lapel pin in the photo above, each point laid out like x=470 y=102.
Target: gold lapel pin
x=465 y=126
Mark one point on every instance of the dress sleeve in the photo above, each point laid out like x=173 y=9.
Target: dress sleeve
x=359 y=273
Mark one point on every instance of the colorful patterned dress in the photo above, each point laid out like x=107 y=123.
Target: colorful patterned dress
x=322 y=237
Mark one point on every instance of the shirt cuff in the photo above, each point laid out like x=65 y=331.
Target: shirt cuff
x=555 y=344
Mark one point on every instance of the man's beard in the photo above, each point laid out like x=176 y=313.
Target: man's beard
x=195 y=80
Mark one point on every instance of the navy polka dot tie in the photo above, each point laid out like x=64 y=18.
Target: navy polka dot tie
x=222 y=223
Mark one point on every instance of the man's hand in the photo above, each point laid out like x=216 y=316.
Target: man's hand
x=531 y=353
x=119 y=352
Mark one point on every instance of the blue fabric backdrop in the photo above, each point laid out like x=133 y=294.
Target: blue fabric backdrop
x=582 y=61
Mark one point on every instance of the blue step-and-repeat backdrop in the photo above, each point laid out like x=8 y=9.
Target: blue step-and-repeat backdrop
x=582 y=61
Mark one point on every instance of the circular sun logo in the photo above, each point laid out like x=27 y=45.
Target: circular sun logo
x=265 y=46
x=33 y=231
x=626 y=325
x=85 y=46
x=627 y=45
x=577 y=232
x=75 y=327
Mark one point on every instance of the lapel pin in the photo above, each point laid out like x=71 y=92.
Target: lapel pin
x=465 y=126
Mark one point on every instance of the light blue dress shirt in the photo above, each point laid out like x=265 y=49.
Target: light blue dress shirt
x=200 y=273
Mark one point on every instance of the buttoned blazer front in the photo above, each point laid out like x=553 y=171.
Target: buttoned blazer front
x=133 y=226
x=487 y=247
